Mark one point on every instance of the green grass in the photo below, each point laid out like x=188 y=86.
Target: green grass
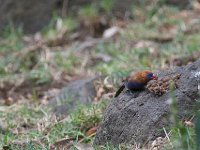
x=58 y=24
x=107 y=5
x=37 y=124
x=40 y=67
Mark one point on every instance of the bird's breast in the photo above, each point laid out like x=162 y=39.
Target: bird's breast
x=134 y=85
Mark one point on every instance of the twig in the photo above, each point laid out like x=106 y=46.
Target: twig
x=28 y=49
x=168 y=138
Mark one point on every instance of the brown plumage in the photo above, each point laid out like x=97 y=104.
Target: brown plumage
x=136 y=81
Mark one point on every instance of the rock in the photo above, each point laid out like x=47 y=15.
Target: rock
x=77 y=92
x=141 y=116
x=25 y=12
x=31 y=15
x=179 y=3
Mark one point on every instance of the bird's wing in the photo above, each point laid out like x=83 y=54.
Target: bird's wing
x=133 y=85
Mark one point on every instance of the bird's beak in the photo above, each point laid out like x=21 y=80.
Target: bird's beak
x=154 y=77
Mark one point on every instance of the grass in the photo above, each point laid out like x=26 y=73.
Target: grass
x=107 y=5
x=57 y=24
x=34 y=66
x=137 y=47
x=33 y=123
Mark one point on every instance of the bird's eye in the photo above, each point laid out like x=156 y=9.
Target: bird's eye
x=150 y=76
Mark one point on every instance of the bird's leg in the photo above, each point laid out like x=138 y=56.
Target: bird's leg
x=129 y=92
x=132 y=93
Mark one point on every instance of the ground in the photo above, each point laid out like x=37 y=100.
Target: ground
x=32 y=66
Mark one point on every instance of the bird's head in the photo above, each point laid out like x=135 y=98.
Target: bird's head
x=150 y=76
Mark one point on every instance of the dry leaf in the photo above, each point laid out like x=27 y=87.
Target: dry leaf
x=92 y=131
x=9 y=101
x=110 y=32
x=100 y=92
x=196 y=6
x=188 y=123
x=63 y=144
x=103 y=88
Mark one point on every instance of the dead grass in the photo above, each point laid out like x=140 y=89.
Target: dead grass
x=50 y=60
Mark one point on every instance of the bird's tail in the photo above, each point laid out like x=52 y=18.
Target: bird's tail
x=120 y=90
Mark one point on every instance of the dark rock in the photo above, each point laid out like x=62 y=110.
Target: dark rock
x=179 y=3
x=77 y=92
x=141 y=117
x=31 y=15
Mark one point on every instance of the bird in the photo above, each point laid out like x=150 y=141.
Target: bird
x=137 y=81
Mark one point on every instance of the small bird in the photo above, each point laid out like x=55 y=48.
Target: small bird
x=137 y=81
